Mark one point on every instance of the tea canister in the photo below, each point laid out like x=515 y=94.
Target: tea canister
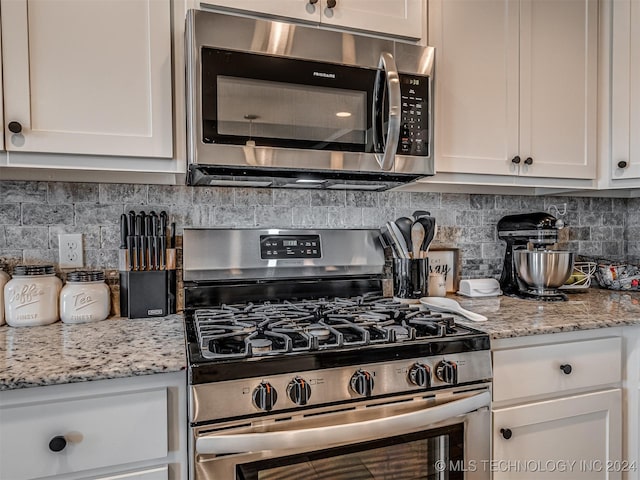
x=31 y=296
x=84 y=298
x=4 y=278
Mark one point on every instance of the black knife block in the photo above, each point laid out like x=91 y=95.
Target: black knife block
x=143 y=294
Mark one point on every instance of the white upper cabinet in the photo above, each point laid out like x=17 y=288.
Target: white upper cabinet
x=398 y=18
x=625 y=90
x=88 y=77
x=1 y=102
x=515 y=87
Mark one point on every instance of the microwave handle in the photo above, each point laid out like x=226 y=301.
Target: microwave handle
x=388 y=65
x=321 y=437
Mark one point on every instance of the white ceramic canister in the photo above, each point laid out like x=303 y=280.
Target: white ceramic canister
x=31 y=296
x=4 y=278
x=84 y=298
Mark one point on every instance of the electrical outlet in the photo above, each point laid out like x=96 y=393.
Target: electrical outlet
x=70 y=250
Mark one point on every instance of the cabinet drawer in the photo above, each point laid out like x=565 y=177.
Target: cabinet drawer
x=100 y=431
x=538 y=370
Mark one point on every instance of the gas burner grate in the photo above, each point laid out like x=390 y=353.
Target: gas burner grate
x=262 y=329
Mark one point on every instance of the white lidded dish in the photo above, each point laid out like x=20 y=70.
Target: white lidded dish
x=479 y=287
x=84 y=298
x=31 y=296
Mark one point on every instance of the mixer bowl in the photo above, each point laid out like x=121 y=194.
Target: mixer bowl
x=543 y=269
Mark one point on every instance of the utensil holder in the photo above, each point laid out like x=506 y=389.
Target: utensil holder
x=410 y=278
x=143 y=294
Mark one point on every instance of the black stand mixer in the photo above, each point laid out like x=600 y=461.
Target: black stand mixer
x=531 y=270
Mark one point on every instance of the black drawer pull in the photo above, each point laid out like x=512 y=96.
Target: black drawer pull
x=506 y=433
x=566 y=369
x=57 y=443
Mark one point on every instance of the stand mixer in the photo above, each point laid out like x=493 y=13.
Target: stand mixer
x=532 y=270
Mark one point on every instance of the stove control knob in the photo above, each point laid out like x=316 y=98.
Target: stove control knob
x=299 y=391
x=362 y=383
x=420 y=375
x=265 y=396
x=447 y=372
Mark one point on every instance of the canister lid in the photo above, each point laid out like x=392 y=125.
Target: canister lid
x=32 y=270
x=85 y=276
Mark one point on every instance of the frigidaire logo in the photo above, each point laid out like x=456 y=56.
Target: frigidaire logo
x=323 y=74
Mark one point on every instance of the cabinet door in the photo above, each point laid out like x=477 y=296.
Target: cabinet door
x=299 y=9
x=1 y=102
x=625 y=83
x=476 y=85
x=400 y=18
x=88 y=77
x=547 y=437
x=558 y=87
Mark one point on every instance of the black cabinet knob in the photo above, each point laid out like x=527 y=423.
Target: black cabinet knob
x=528 y=161
x=331 y=3
x=622 y=164
x=57 y=443
x=313 y=2
x=515 y=159
x=506 y=433
x=15 y=127
x=566 y=369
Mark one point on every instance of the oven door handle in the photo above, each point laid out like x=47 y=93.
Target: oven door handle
x=387 y=65
x=321 y=437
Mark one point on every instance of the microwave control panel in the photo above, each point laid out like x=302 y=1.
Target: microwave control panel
x=414 y=127
x=275 y=247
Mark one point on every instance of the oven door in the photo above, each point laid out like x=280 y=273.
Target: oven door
x=446 y=436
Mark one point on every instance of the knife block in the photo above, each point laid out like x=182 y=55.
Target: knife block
x=143 y=294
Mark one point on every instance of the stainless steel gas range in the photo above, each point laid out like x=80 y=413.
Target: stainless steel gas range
x=299 y=368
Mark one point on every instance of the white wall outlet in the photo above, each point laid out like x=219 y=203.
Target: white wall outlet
x=70 y=250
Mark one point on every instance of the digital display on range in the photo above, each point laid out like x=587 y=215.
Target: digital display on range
x=288 y=246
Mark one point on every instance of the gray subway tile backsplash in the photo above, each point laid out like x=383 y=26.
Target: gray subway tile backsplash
x=33 y=214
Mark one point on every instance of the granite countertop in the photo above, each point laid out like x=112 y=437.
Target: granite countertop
x=120 y=347
x=113 y=348
x=513 y=317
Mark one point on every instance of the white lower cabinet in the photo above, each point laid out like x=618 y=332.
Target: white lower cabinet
x=558 y=406
x=131 y=428
x=571 y=437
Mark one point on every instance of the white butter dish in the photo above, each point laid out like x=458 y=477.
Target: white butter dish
x=479 y=287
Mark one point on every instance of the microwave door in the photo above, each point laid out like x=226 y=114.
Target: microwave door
x=387 y=85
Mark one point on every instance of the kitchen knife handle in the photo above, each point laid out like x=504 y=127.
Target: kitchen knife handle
x=132 y=246
x=163 y=252
x=172 y=235
x=124 y=221
x=144 y=249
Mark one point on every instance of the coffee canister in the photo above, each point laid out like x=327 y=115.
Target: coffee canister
x=4 y=278
x=85 y=298
x=31 y=296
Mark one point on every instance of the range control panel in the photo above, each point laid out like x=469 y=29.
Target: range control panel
x=289 y=246
x=414 y=129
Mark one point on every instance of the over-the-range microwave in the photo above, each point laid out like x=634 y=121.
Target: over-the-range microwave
x=273 y=104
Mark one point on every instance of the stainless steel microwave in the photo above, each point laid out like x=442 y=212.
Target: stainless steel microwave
x=273 y=104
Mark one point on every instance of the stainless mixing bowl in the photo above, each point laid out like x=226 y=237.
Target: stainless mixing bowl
x=543 y=269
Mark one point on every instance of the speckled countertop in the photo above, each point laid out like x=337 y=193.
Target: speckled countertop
x=119 y=347
x=512 y=317
x=112 y=348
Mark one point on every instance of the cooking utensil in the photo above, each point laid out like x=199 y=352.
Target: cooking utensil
x=404 y=225
x=417 y=237
x=543 y=269
x=448 y=305
x=398 y=239
x=124 y=232
x=420 y=213
x=429 y=225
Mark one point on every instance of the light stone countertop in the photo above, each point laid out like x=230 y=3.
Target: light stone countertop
x=513 y=317
x=113 y=348
x=120 y=347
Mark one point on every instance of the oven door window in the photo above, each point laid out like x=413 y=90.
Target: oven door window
x=284 y=102
x=434 y=454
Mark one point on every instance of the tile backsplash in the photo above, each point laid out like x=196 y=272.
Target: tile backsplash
x=33 y=214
